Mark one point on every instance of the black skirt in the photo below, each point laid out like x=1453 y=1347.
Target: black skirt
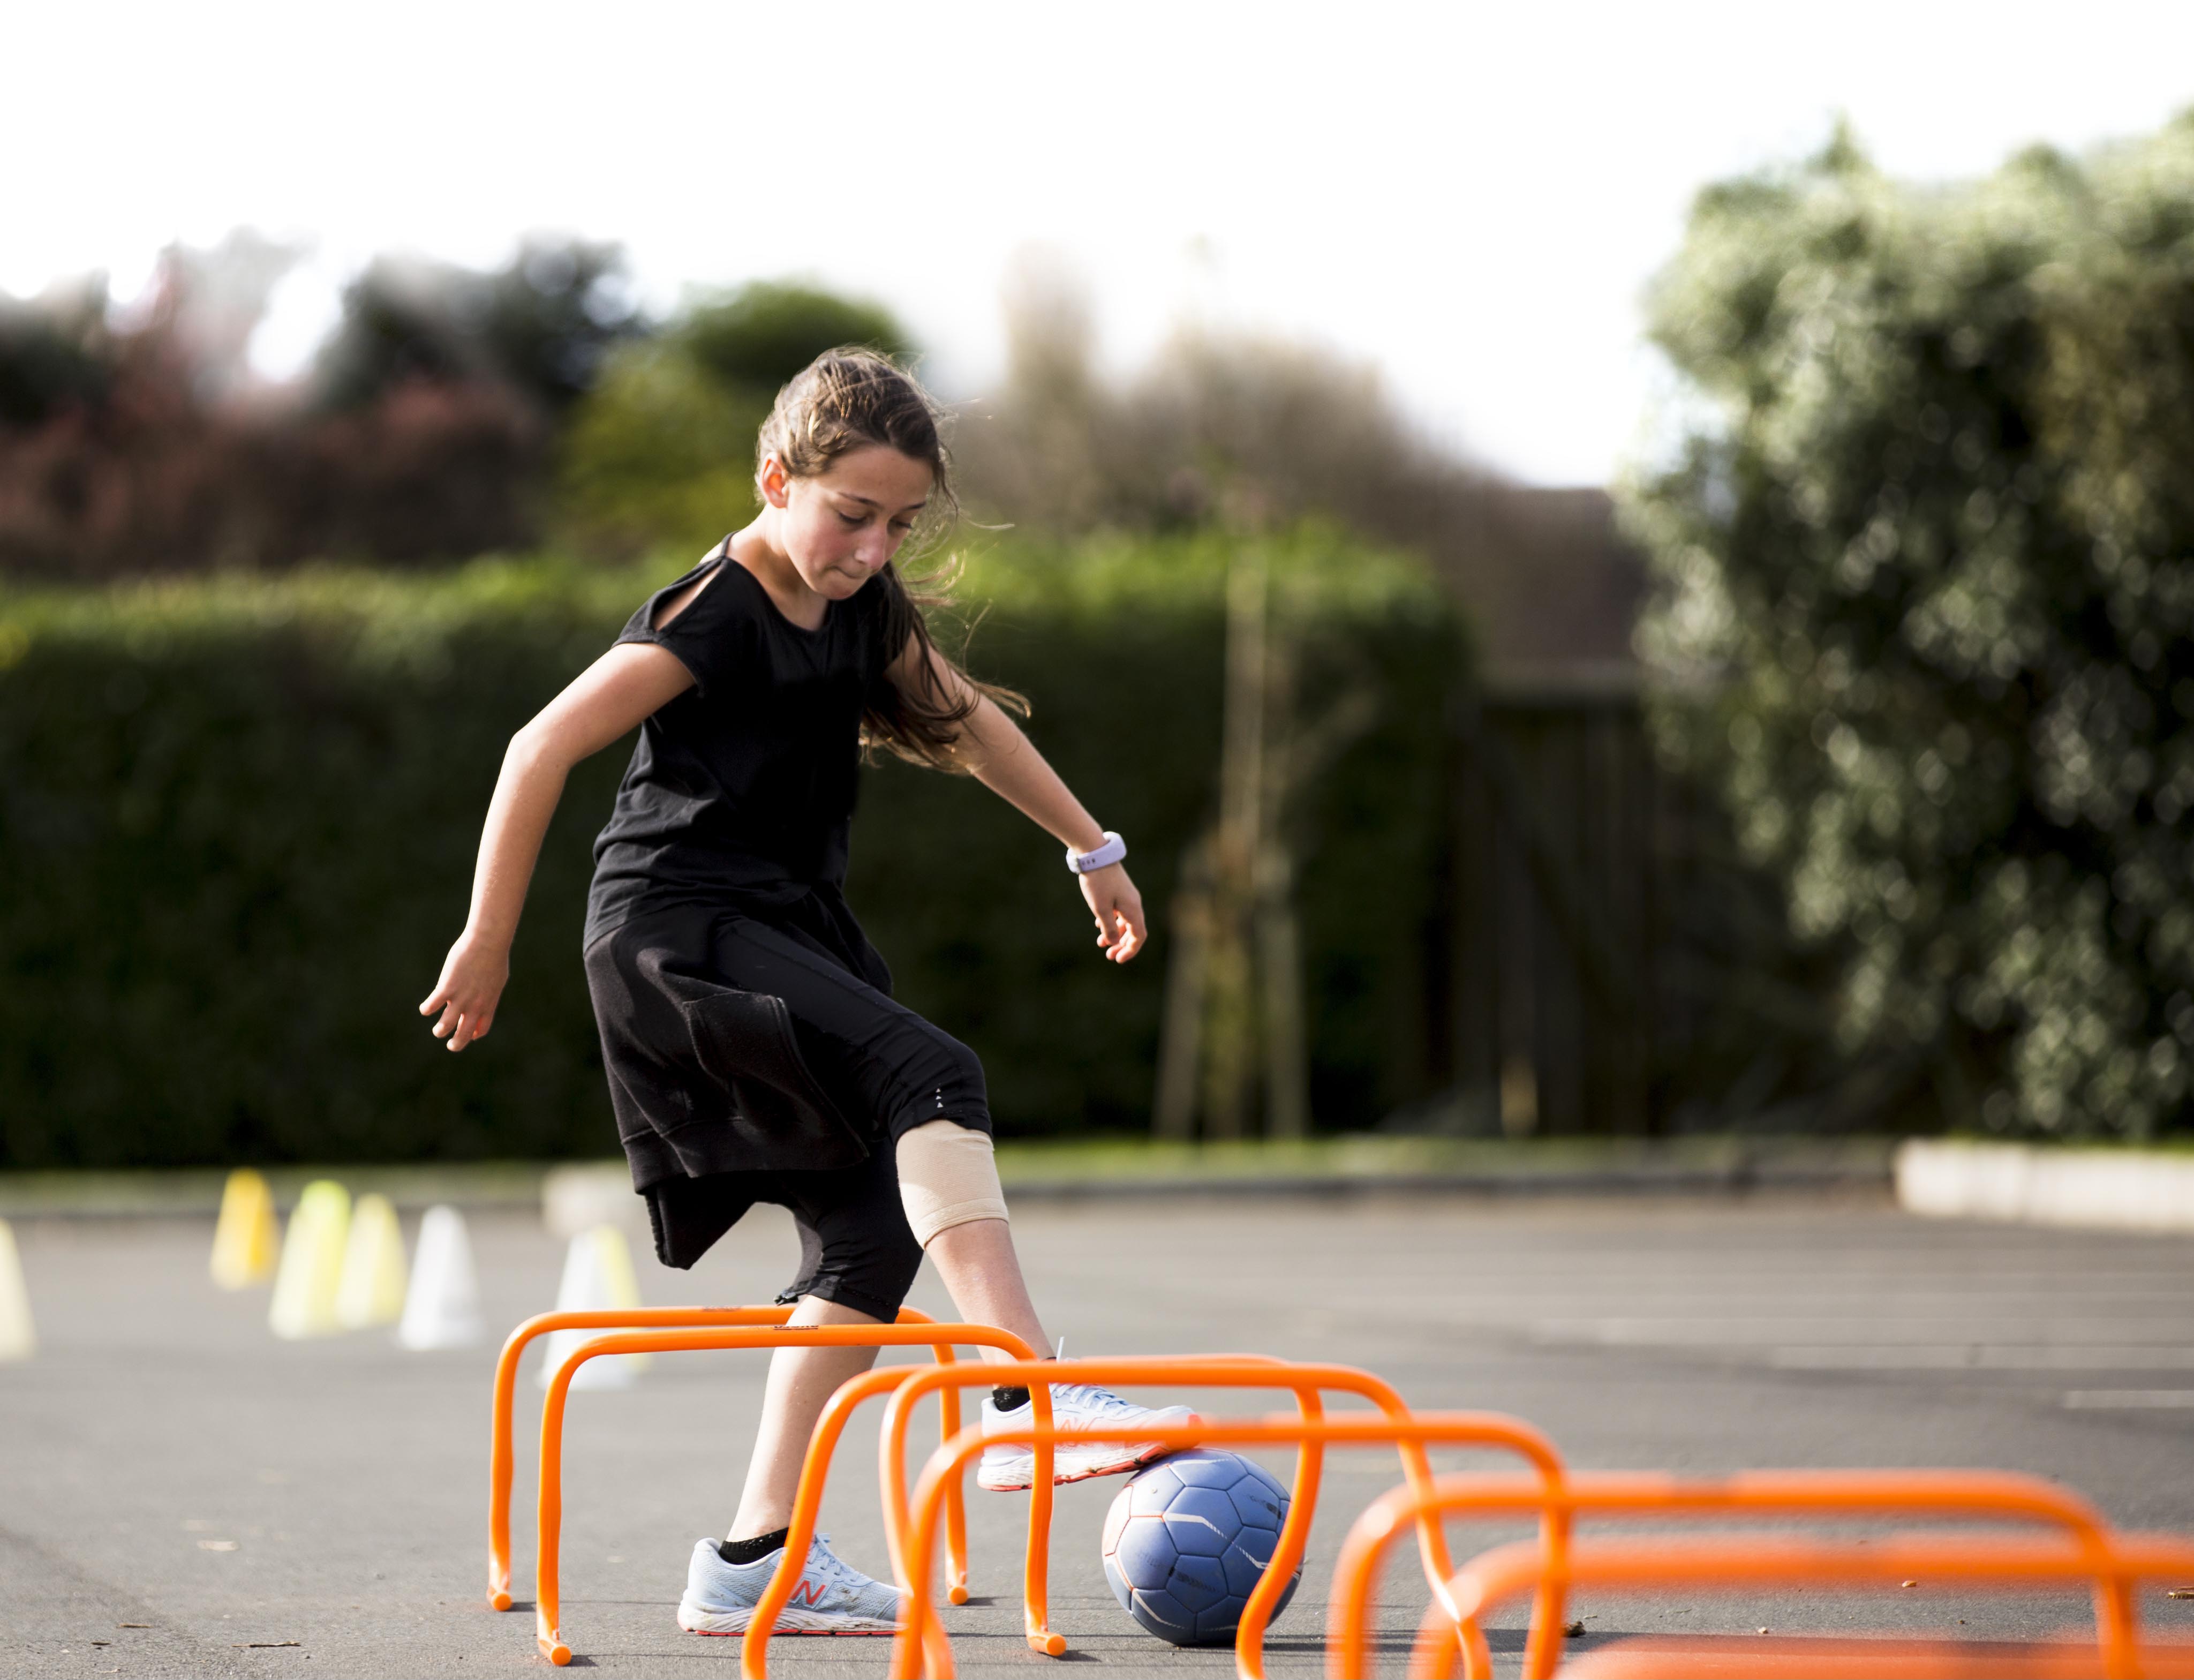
x=740 y=1046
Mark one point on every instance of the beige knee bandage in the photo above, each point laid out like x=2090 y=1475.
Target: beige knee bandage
x=947 y=1176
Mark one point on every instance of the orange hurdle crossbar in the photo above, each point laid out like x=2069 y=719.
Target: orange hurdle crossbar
x=1506 y=1572
x=921 y=1635
x=1982 y=1494
x=547 y=1635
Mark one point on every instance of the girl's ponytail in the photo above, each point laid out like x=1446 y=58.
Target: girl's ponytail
x=842 y=401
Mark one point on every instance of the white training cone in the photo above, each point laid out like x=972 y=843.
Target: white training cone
x=598 y=1278
x=17 y=1339
x=442 y=1308
x=372 y=1288
x=311 y=1263
x=248 y=1237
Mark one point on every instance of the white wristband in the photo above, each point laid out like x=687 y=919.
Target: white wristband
x=1100 y=857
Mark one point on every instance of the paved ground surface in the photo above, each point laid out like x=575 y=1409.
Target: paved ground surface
x=180 y=1494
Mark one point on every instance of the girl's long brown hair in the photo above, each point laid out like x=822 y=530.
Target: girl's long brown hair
x=843 y=400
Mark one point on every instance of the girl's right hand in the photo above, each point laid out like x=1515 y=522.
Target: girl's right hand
x=473 y=975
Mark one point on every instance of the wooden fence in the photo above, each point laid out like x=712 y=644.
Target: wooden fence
x=1599 y=960
x=1544 y=1007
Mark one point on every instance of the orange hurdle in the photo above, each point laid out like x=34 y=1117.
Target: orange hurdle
x=499 y=1456
x=1243 y=1371
x=1506 y=1572
x=2087 y=1550
x=815 y=1470
x=921 y=1637
x=716 y=1335
x=1869 y=1658
x=1036 y=1563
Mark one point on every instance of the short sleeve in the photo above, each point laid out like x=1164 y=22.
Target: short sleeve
x=709 y=637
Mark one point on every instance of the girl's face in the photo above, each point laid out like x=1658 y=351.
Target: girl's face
x=840 y=527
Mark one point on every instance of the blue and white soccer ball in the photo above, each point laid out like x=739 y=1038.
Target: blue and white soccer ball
x=1186 y=1540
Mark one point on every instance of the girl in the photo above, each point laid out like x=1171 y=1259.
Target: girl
x=753 y=1049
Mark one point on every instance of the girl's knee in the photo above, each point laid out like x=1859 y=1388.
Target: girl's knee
x=948 y=1176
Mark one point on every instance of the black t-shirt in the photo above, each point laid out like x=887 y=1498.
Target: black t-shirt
x=740 y=789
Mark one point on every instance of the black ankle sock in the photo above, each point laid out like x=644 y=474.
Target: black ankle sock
x=1012 y=1400
x=753 y=1551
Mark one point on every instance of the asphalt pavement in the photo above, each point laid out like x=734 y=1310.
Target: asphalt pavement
x=182 y=1494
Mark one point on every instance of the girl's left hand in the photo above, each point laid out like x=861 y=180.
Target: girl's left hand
x=1118 y=908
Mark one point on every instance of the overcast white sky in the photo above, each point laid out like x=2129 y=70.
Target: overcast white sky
x=1472 y=196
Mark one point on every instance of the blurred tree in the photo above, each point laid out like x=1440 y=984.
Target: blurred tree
x=541 y=324
x=661 y=454
x=1212 y=414
x=210 y=301
x=403 y=321
x=549 y=319
x=136 y=439
x=1924 y=543
x=1231 y=433
x=766 y=332
x=55 y=352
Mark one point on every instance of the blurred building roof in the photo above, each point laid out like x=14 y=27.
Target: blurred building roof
x=1551 y=588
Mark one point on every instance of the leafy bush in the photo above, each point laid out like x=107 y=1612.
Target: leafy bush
x=238 y=819
x=760 y=336
x=1926 y=542
x=659 y=455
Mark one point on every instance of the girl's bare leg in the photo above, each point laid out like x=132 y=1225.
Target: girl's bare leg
x=801 y=1381
x=982 y=1275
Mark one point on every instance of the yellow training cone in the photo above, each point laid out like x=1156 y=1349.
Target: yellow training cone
x=18 y=1340
x=247 y=1238
x=311 y=1263
x=598 y=1277
x=372 y=1288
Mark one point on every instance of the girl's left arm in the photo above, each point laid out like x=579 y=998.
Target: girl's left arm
x=994 y=751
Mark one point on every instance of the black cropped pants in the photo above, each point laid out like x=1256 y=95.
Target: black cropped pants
x=737 y=1051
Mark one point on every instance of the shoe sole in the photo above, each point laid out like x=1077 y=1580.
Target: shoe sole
x=1062 y=1478
x=789 y=1620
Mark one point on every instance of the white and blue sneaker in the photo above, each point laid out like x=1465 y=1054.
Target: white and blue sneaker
x=1011 y=1469
x=832 y=1596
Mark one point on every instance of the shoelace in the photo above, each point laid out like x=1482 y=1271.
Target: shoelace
x=1089 y=1397
x=821 y=1560
x=841 y=1574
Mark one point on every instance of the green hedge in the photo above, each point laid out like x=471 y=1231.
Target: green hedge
x=238 y=819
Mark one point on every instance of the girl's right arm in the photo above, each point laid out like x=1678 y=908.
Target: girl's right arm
x=628 y=683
